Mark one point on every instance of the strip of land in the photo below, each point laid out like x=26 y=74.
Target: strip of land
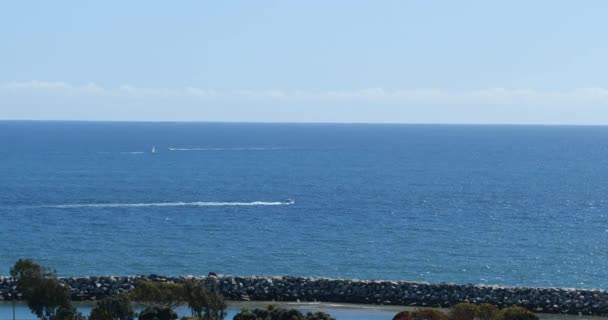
x=302 y=289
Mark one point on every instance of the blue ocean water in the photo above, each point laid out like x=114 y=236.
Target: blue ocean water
x=512 y=205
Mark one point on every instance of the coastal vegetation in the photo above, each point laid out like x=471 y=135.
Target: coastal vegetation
x=468 y=311
x=158 y=294
x=203 y=303
x=49 y=298
x=272 y=312
x=117 y=307
x=46 y=296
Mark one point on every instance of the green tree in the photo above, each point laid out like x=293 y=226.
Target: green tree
x=463 y=311
x=318 y=316
x=428 y=314
x=113 y=308
x=487 y=311
x=245 y=314
x=515 y=313
x=403 y=315
x=272 y=312
x=204 y=304
x=46 y=296
x=157 y=313
x=158 y=294
x=69 y=314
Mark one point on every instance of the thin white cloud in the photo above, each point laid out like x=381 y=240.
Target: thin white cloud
x=51 y=87
x=134 y=91
x=199 y=92
x=432 y=96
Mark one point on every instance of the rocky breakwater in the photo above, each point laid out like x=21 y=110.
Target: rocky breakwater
x=542 y=300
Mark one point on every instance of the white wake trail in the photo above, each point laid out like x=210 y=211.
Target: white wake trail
x=170 y=204
x=226 y=149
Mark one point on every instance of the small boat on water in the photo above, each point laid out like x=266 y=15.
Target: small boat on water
x=153 y=149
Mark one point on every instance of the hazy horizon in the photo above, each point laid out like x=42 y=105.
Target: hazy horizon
x=313 y=123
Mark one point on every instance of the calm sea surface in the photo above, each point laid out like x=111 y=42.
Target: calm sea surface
x=513 y=205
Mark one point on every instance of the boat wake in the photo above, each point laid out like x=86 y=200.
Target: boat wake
x=226 y=149
x=171 y=204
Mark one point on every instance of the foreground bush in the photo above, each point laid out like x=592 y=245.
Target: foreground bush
x=421 y=314
x=113 y=308
x=463 y=311
x=157 y=313
x=158 y=294
x=428 y=314
x=403 y=315
x=69 y=314
x=318 y=316
x=274 y=313
x=204 y=304
x=515 y=313
x=46 y=296
x=487 y=311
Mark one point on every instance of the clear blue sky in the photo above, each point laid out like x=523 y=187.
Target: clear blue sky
x=329 y=61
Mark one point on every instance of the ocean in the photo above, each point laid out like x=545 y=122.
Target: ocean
x=489 y=204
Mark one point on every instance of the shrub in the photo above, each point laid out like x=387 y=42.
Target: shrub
x=157 y=313
x=113 y=308
x=515 y=313
x=487 y=311
x=69 y=314
x=463 y=311
x=403 y=315
x=46 y=296
x=428 y=314
x=158 y=294
x=285 y=314
x=318 y=316
x=204 y=304
x=272 y=312
x=245 y=314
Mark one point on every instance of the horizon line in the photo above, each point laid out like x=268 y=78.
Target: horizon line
x=316 y=122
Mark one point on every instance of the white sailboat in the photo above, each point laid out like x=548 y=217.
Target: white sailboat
x=153 y=149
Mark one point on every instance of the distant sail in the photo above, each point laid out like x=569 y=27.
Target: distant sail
x=153 y=149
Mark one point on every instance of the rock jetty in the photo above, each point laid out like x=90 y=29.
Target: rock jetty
x=405 y=293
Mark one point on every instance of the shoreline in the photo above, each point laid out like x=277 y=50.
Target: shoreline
x=355 y=311
x=349 y=291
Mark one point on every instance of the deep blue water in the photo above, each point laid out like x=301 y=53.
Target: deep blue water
x=515 y=205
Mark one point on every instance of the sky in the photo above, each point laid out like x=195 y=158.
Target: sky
x=519 y=62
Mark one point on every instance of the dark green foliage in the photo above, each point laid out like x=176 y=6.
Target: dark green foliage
x=25 y=269
x=428 y=314
x=463 y=311
x=204 y=304
x=468 y=311
x=515 y=313
x=158 y=294
x=274 y=313
x=46 y=296
x=69 y=314
x=318 y=316
x=113 y=308
x=157 y=313
x=487 y=311
x=403 y=315
x=245 y=314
